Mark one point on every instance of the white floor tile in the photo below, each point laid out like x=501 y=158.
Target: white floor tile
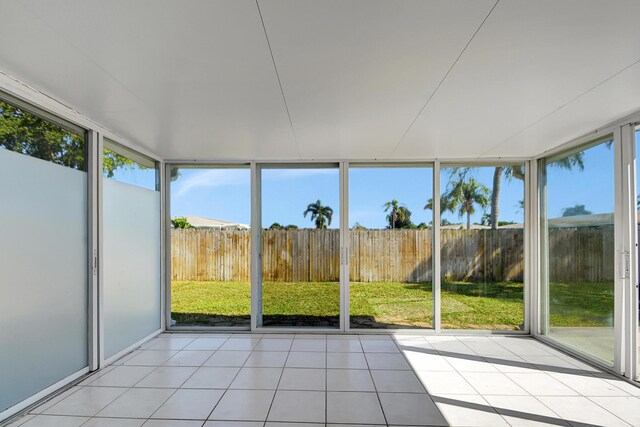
x=240 y=344
x=172 y=423
x=445 y=383
x=137 y=403
x=470 y=364
x=233 y=424
x=524 y=411
x=428 y=361
x=513 y=364
x=167 y=377
x=379 y=346
x=578 y=409
x=349 y=380
x=397 y=381
x=488 y=383
x=588 y=385
x=279 y=424
x=55 y=399
x=228 y=358
x=114 y=422
x=257 y=379
x=309 y=344
x=206 y=343
x=266 y=359
x=54 y=421
x=303 y=379
x=122 y=376
x=211 y=377
x=189 y=404
x=246 y=405
x=170 y=343
x=274 y=344
x=87 y=401
x=303 y=359
x=151 y=358
x=344 y=346
x=394 y=361
x=189 y=358
x=541 y=384
x=346 y=361
x=410 y=409
x=468 y=410
x=485 y=346
x=626 y=408
x=298 y=406
x=351 y=408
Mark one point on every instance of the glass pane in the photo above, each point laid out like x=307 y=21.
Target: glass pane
x=211 y=246
x=131 y=249
x=124 y=165
x=482 y=247
x=390 y=247
x=301 y=247
x=43 y=255
x=578 y=236
x=26 y=133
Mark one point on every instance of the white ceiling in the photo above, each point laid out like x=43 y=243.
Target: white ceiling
x=332 y=79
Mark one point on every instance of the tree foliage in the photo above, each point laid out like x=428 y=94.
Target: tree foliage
x=575 y=210
x=320 y=214
x=463 y=194
x=181 y=222
x=399 y=215
x=25 y=133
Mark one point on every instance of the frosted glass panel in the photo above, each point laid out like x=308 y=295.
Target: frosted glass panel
x=131 y=251
x=43 y=284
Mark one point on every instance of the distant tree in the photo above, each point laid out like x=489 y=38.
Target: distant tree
x=575 y=210
x=399 y=215
x=463 y=195
x=276 y=226
x=320 y=214
x=180 y=222
x=25 y=133
x=291 y=227
x=358 y=226
x=422 y=226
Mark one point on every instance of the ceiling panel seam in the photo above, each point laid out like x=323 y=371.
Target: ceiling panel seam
x=441 y=81
x=275 y=67
x=546 y=116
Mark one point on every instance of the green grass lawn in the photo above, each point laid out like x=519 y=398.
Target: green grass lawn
x=497 y=306
x=587 y=306
x=373 y=304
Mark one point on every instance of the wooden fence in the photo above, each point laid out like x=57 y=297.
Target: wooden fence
x=584 y=253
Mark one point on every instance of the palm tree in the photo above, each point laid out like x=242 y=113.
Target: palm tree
x=575 y=160
x=320 y=214
x=400 y=215
x=463 y=196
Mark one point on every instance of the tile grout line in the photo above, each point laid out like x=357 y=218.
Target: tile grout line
x=384 y=415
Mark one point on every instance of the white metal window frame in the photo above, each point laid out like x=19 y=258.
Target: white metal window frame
x=41 y=105
x=626 y=357
x=343 y=166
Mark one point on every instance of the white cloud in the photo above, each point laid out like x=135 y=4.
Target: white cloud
x=211 y=178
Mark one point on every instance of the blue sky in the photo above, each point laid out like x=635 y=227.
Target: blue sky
x=225 y=193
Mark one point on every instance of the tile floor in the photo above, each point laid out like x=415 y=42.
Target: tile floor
x=195 y=380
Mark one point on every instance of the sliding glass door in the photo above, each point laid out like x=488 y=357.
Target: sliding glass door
x=210 y=246
x=301 y=246
x=390 y=247
x=482 y=246
x=578 y=252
